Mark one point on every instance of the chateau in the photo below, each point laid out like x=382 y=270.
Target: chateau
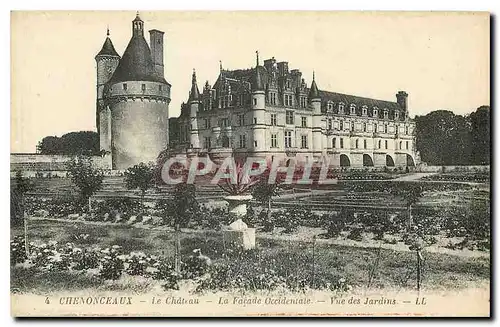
x=132 y=99
x=270 y=111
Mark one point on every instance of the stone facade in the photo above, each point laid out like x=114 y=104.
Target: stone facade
x=269 y=111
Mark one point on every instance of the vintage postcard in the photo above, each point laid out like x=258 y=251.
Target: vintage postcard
x=250 y=164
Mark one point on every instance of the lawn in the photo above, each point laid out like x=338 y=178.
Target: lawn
x=290 y=259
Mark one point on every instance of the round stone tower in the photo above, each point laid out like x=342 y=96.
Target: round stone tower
x=107 y=60
x=138 y=97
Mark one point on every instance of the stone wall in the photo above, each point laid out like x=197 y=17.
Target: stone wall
x=55 y=165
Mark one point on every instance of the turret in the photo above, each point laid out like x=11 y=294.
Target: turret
x=258 y=106
x=194 y=104
x=317 y=130
x=107 y=60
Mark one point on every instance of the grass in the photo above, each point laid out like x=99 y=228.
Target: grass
x=396 y=269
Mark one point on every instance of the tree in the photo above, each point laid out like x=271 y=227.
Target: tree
x=142 y=177
x=480 y=135
x=182 y=207
x=74 y=143
x=263 y=192
x=86 y=177
x=411 y=194
x=20 y=188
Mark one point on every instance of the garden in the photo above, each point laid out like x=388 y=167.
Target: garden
x=76 y=240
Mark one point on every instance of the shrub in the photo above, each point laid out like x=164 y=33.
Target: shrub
x=356 y=234
x=334 y=224
x=85 y=259
x=17 y=250
x=136 y=263
x=111 y=264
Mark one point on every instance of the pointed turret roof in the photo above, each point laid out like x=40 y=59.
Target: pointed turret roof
x=314 y=91
x=108 y=48
x=258 y=76
x=194 y=95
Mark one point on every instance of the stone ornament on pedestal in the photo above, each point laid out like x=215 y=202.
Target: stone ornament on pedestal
x=238 y=204
x=238 y=235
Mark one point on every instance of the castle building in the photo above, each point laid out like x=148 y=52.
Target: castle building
x=269 y=111
x=132 y=99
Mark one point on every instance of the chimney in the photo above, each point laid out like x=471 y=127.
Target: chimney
x=156 y=44
x=402 y=99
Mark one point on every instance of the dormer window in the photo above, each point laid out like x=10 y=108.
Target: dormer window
x=341 y=108
x=386 y=114
x=329 y=106
x=375 y=112
x=365 y=110
x=353 y=109
x=396 y=114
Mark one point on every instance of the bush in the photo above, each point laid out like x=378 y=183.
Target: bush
x=136 y=263
x=17 y=250
x=356 y=234
x=334 y=224
x=111 y=264
x=85 y=259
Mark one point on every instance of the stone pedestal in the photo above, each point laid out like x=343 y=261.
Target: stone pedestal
x=238 y=235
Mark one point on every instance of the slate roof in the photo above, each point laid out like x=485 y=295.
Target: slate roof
x=136 y=63
x=108 y=49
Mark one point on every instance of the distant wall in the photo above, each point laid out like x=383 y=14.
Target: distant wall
x=447 y=169
x=54 y=165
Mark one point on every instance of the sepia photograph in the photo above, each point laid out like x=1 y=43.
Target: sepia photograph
x=250 y=164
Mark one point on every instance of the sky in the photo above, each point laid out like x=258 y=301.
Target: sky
x=440 y=59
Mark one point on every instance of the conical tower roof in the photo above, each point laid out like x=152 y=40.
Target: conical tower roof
x=136 y=63
x=314 y=91
x=258 y=83
x=108 y=48
x=194 y=95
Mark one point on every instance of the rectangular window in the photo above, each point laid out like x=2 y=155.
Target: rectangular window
x=352 y=126
x=288 y=139
x=341 y=125
x=375 y=128
x=143 y=87
x=272 y=98
x=334 y=143
x=274 y=121
x=385 y=128
x=386 y=144
x=125 y=86
x=329 y=124
x=208 y=143
x=288 y=100
x=303 y=143
x=207 y=123
x=364 y=144
x=341 y=143
x=241 y=120
x=289 y=117
x=255 y=120
x=254 y=102
x=303 y=102
x=304 y=121
x=407 y=143
x=159 y=87
x=274 y=141
x=243 y=141
x=223 y=122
